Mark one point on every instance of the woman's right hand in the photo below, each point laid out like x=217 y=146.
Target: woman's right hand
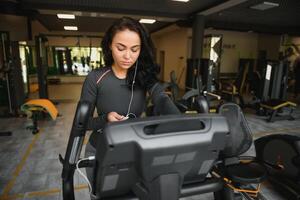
x=114 y=117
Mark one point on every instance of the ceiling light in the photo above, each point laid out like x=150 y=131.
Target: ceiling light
x=71 y=28
x=147 y=21
x=181 y=0
x=265 y=5
x=66 y=16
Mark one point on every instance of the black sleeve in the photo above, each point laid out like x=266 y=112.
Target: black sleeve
x=89 y=93
x=163 y=105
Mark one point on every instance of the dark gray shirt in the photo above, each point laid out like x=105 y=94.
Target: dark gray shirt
x=108 y=93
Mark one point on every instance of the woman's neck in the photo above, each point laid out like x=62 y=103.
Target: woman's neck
x=119 y=72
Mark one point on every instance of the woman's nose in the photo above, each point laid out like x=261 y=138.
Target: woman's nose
x=127 y=54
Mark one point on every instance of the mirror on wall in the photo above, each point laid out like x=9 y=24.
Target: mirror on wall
x=212 y=50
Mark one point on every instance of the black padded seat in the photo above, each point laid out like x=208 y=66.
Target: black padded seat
x=247 y=173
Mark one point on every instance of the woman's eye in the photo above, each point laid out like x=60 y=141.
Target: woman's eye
x=120 y=48
x=135 y=49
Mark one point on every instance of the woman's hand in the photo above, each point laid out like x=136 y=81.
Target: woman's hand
x=114 y=117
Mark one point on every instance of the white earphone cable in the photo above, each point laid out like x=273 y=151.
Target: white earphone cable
x=132 y=87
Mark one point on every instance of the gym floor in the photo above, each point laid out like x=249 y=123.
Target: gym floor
x=30 y=169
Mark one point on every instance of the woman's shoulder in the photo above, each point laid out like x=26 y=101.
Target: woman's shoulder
x=99 y=71
x=98 y=74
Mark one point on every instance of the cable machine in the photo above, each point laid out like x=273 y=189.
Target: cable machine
x=273 y=93
x=5 y=100
x=42 y=65
x=12 y=93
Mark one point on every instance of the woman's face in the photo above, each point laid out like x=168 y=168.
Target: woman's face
x=125 y=47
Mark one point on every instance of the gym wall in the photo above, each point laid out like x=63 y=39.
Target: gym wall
x=175 y=45
x=271 y=44
x=177 y=42
x=235 y=45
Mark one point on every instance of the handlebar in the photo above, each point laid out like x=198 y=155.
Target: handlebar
x=83 y=112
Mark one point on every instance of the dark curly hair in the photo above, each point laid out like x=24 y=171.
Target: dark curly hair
x=147 y=68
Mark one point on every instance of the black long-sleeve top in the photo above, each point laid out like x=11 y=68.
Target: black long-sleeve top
x=108 y=93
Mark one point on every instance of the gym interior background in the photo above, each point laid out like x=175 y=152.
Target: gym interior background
x=41 y=59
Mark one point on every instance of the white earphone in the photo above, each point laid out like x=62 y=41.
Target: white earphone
x=131 y=98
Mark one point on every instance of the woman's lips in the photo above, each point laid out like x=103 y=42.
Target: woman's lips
x=126 y=63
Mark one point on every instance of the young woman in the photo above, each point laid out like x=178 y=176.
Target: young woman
x=118 y=91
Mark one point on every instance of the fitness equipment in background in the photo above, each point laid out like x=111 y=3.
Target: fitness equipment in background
x=12 y=93
x=268 y=87
x=273 y=91
x=5 y=67
x=204 y=68
x=36 y=107
x=234 y=91
x=200 y=83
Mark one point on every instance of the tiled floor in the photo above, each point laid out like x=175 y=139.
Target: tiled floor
x=30 y=169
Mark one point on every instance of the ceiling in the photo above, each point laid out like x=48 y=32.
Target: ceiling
x=97 y=15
